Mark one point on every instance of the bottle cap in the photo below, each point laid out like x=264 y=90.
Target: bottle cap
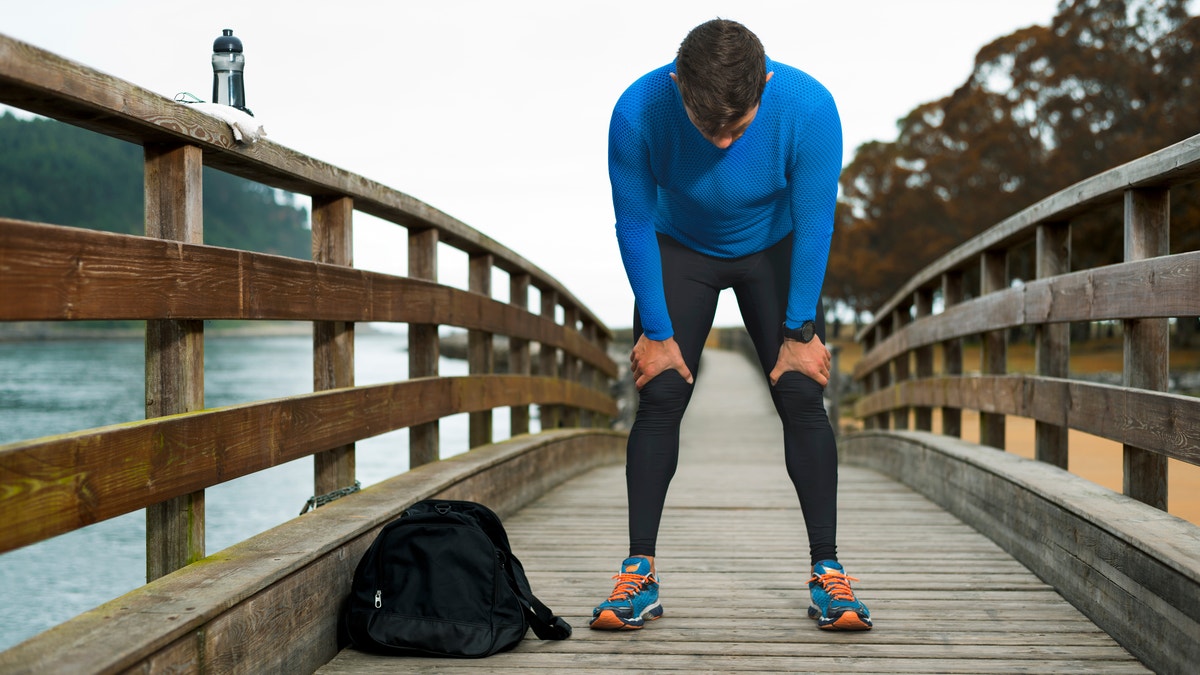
x=227 y=43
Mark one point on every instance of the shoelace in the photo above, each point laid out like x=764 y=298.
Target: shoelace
x=836 y=584
x=628 y=585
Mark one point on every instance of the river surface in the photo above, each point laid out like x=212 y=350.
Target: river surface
x=60 y=386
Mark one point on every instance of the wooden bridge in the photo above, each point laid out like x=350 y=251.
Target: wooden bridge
x=972 y=559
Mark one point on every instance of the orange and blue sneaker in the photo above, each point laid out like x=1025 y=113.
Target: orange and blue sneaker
x=833 y=603
x=633 y=602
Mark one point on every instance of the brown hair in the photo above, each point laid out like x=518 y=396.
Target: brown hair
x=721 y=71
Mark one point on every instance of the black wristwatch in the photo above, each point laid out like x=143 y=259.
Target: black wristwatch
x=804 y=333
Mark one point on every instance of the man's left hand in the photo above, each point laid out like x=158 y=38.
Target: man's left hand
x=809 y=358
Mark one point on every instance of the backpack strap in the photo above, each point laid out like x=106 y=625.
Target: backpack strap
x=545 y=624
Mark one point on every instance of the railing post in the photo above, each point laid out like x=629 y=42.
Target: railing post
x=587 y=374
x=882 y=377
x=481 y=358
x=602 y=380
x=518 y=352
x=423 y=345
x=571 y=370
x=900 y=366
x=923 y=302
x=549 y=415
x=1147 y=342
x=994 y=356
x=1053 y=341
x=870 y=382
x=333 y=341
x=174 y=352
x=952 y=351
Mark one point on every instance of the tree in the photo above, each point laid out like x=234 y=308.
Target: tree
x=1108 y=81
x=56 y=173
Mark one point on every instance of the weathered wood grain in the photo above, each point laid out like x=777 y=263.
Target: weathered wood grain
x=1052 y=341
x=993 y=275
x=1147 y=345
x=333 y=341
x=1128 y=566
x=1166 y=424
x=1155 y=288
x=174 y=350
x=60 y=483
x=55 y=273
x=423 y=344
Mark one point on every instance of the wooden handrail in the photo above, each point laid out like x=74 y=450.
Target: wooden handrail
x=55 y=273
x=1168 y=422
x=1143 y=292
x=1100 y=294
x=61 y=483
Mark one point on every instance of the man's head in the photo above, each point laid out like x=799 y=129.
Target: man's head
x=720 y=70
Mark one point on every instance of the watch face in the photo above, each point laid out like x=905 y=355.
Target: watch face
x=807 y=331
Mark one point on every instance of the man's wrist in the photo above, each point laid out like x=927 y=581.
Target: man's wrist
x=804 y=333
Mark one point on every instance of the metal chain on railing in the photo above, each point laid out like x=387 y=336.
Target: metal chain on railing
x=322 y=500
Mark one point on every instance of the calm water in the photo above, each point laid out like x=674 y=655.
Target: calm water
x=55 y=387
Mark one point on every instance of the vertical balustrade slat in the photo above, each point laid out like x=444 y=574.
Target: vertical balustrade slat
x=994 y=357
x=587 y=375
x=900 y=365
x=1053 y=341
x=871 y=381
x=923 y=302
x=423 y=345
x=571 y=366
x=883 y=374
x=548 y=362
x=481 y=358
x=1147 y=235
x=333 y=341
x=952 y=351
x=174 y=352
x=519 y=352
x=602 y=381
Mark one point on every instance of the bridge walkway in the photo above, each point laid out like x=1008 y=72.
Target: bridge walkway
x=733 y=564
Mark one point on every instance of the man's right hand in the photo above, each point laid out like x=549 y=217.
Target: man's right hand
x=649 y=358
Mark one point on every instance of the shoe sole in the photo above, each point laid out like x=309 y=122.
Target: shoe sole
x=847 y=620
x=608 y=620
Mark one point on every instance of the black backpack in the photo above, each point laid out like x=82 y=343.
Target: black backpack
x=441 y=580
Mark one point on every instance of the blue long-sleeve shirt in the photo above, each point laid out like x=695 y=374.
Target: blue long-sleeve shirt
x=781 y=176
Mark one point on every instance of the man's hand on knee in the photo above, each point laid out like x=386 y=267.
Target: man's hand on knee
x=649 y=358
x=810 y=358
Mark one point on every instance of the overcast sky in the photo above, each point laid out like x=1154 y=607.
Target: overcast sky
x=497 y=112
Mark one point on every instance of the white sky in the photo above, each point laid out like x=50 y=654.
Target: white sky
x=497 y=112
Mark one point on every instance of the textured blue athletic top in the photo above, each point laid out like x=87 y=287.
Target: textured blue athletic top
x=781 y=176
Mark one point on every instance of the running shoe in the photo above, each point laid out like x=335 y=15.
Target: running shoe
x=633 y=601
x=833 y=603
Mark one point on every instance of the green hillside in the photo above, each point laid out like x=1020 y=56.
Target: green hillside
x=56 y=173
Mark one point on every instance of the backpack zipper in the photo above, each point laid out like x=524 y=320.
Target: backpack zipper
x=378 y=599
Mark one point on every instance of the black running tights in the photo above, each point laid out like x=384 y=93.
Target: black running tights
x=692 y=282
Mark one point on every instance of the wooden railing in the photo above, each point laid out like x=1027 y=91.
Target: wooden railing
x=171 y=280
x=1128 y=565
x=1143 y=293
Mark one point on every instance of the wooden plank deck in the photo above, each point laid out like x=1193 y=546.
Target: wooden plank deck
x=733 y=563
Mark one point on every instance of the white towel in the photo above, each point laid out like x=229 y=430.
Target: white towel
x=245 y=128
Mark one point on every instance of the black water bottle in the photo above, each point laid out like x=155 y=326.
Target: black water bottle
x=228 y=63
